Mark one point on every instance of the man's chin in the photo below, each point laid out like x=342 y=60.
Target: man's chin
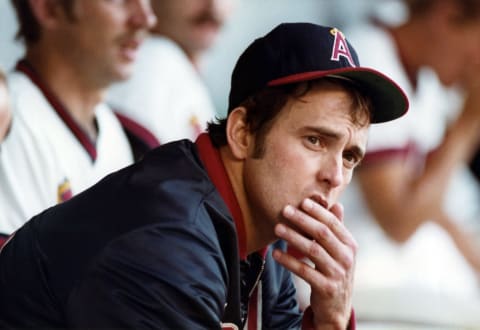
x=122 y=73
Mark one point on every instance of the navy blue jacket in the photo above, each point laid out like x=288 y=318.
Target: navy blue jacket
x=154 y=246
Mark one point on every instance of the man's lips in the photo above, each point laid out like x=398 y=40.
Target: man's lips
x=320 y=200
x=129 y=48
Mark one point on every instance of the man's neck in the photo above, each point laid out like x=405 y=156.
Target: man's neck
x=70 y=87
x=258 y=232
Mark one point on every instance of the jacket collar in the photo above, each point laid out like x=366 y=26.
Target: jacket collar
x=213 y=163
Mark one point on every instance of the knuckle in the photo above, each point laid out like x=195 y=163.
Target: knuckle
x=322 y=231
x=353 y=245
x=330 y=290
x=304 y=270
x=338 y=272
x=335 y=224
x=349 y=262
x=314 y=250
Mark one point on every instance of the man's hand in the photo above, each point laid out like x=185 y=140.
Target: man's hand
x=321 y=236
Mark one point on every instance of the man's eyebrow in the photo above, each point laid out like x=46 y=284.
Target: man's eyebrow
x=325 y=131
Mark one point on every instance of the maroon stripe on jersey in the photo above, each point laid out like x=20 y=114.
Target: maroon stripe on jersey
x=59 y=108
x=138 y=130
x=385 y=155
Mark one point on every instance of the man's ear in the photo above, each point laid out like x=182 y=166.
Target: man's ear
x=47 y=12
x=238 y=133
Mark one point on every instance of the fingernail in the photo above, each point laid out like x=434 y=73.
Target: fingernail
x=280 y=230
x=308 y=203
x=288 y=210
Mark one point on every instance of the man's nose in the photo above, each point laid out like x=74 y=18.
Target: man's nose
x=143 y=16
x=331 y=171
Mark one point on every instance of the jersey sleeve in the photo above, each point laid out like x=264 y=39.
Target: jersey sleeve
x=28 y=176
x=162 y=277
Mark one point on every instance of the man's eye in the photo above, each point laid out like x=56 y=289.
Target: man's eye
x=350 y=160
x=313 y=140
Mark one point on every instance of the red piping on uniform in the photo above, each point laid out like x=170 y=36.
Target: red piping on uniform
x=138 y=130
x=59 y=108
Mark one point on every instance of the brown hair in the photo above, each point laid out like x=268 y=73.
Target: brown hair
x=264 y=107
x=28 y=27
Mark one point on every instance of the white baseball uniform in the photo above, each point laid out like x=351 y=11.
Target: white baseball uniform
x=46 y=157
x=422 y=260
x=165 y=93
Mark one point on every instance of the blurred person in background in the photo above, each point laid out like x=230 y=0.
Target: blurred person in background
x=5 y=120
x=63 y=138
x=166 y=93
x=411 y=190
x=5 y=113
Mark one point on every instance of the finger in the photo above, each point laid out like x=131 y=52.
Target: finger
x=311 y=249
x=330 y=219
x=315 y=228
x=318 y=281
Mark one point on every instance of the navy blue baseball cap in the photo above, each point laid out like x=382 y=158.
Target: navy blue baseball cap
x=296 y=52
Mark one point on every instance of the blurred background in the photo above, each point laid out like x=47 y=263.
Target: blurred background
x=381 y=307
x=250 y=19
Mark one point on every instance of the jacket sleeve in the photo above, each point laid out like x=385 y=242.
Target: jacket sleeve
x=161 y=277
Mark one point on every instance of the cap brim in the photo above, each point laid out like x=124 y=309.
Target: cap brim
x=389 y=100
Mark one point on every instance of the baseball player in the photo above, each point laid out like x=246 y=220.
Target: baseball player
x=193 y=236
x=63 y=138
x=166 y=92
x=414 y=200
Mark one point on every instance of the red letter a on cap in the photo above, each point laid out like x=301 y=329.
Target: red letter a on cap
x=340 y=47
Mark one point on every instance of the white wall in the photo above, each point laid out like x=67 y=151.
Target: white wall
x=252 y=19
x=10 y=50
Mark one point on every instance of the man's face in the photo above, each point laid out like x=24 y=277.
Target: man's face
x=103 y=37
x=193 y=24
x=460 y=52
x=310 y=151
x=454 y=46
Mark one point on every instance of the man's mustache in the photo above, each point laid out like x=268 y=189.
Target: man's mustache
x=207 y=17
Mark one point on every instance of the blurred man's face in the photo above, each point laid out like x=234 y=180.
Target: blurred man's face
x=454 y=46
x=102 y=39
x=193 y=24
